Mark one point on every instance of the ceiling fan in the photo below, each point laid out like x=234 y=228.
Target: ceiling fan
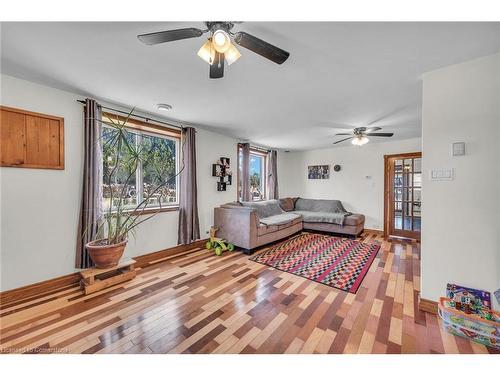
x=359 y=136
x=218 y=48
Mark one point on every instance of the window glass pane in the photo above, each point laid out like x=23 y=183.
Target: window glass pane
x=257 y=177
x=120 y=165
x=407 y=179
x=398 y=224
x=398 y=194
x=407 y=215
x=417 y=222
x=398 y=166
x=416 y=208
x=407 y=194
x=417 y=194
x=158 y=156
x=408 y=165
x=417 y=179
x=398 y=180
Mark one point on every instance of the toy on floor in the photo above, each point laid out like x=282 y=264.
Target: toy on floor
x=218 y=244
x=468 y=300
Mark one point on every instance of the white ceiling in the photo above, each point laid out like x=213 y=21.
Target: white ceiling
x=337 y=73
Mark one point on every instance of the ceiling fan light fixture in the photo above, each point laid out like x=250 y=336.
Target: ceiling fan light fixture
x=221 y=41
x=360 y=141
x=232 y=54
x=207 y=52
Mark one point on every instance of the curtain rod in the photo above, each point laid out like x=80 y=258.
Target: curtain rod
x=138 y=116
x=256 y=147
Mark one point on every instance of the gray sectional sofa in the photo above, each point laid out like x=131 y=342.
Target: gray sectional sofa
x=252 y=224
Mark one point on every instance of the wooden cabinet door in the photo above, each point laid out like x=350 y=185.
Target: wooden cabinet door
x=31 y=140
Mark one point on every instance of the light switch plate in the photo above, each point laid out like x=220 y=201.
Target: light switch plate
x=441 y=174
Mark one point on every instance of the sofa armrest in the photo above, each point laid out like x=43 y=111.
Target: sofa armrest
x=237 y=225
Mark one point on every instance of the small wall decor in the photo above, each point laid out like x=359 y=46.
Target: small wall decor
x=221 y=170
x=337 y=168
x=318 y=172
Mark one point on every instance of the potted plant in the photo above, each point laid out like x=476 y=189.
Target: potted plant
x=124 y=152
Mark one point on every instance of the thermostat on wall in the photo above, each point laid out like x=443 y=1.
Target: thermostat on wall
x=441 y=174
x=458 y=148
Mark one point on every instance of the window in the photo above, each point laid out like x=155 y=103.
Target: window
x=148 y=164
x=257 y=174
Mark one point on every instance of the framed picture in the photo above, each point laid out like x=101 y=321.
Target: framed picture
x=221 y=186
x=217 y=170
x=318 y=172
x=225 y=162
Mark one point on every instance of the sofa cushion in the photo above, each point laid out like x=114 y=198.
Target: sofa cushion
x=279 y=219
x=322 y=217
x=319 y=205
x=287 y=204
x=265 y=208
x=354 y=219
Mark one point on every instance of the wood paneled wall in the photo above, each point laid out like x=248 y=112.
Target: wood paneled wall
x=31 y=140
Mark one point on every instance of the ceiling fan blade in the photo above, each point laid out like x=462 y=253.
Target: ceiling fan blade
x=344 y=134
x=169 y=35
x=381 y=134
x=372 y=129
x=342 y=140
x=217 y=67
x=260 y=47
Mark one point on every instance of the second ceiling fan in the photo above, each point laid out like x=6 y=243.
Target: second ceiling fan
x=218 y=49
x=359 y=136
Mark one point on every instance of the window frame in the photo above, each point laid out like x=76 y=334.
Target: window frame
x=147 y=128
x=257 y=152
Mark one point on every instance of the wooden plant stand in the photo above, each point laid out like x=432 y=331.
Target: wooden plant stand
x=95 y=279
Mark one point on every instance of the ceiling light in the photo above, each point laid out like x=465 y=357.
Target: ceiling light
x=163 y=107
x=207 y=52
x=232 y=54
x=221 y=41
x=360 y=141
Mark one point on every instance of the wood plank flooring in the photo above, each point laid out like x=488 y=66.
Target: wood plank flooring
x=196 y=302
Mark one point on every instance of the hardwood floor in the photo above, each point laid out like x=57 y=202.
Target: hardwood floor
x=199 y=303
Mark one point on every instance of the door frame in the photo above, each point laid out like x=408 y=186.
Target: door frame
x=387 y=189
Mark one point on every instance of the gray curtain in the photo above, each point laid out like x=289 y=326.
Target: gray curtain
x=91 y=201
x=272 y=175
x=245 y=172
x=189 y=226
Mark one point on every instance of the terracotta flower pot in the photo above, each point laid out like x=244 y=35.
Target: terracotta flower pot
x=105 y=256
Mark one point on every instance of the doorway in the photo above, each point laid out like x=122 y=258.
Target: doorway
x=403 y=195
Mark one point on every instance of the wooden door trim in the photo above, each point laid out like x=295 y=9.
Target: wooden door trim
x=387 y=158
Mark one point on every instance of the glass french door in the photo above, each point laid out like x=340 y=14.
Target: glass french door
x=403 y=195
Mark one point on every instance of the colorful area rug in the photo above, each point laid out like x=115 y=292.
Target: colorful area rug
x=337 y=262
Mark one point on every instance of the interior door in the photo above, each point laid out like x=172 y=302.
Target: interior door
x=403 y=195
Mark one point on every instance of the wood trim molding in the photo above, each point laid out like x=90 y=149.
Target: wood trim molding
x=30 y=140
x=387 y=186
x=427 y=305
x=153 y=258
x=374 y=231
x=143 y=125
x=32 y=291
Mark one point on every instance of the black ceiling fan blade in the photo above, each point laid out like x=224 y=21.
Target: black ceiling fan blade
x=217 y=67
x=342 y=140
x=169 y=35
x=261 y=47
x=372 y=129
x=344 y=134
x=381 y=134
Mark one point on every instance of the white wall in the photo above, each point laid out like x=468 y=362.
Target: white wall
x=460 y=231
x=359 y=184
x=39 y=208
